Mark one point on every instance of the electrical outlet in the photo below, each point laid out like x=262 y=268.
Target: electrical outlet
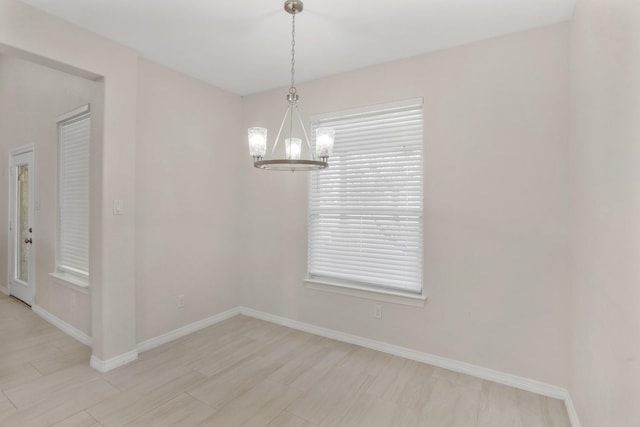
x=180 y=301
x=377 y=311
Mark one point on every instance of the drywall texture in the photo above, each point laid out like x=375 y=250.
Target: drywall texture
x=33 y=96
x=187 y=152
x=605 y=153
x=496 y=117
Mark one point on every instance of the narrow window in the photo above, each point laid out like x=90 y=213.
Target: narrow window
x=72 y=255
x=366 y=209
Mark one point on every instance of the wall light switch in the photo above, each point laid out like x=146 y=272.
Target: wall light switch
x=118 y=207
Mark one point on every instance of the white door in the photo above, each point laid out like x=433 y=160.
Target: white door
x=21 y=260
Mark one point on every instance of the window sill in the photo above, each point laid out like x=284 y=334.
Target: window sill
x=398 y=297
x=72 y=282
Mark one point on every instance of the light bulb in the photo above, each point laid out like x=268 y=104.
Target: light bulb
x=292 y=147
x=257 y=142
x=324 y=142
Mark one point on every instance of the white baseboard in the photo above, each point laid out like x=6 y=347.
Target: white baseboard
x=62 y=325
x=109 y=364
x=186 y=330
x=442 y=362
x=4 y=289
x=571 y=410
x=96 y=363
x=123 y=359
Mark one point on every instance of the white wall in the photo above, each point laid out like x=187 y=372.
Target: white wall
x=605 y=153
x=496 y=209
x=187 y=154
x=32 y=97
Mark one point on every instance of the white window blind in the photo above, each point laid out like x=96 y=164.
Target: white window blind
x=366 y=210
x=73 y=195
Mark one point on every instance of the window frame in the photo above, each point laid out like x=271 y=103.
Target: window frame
x=68 y=275
x=362 y=288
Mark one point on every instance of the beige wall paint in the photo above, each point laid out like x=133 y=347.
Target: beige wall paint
x=496 y=207
x=188 y=151
x=33 y=96
x=605 y=153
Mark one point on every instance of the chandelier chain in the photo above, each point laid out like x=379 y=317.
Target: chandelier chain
x=293 y=89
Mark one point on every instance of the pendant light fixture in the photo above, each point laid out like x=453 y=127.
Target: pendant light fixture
x=293 y=146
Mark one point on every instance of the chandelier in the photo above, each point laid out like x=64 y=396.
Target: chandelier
x=293 y=147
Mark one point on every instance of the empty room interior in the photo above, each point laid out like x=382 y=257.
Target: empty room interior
x=442 y=230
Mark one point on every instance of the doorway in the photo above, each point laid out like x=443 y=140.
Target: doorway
x=21 y=209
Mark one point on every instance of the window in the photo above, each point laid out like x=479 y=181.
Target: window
x=366 y=210
x=72 y=255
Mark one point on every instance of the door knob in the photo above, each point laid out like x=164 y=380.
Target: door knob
x=29 y=240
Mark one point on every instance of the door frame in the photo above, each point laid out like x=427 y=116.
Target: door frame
x=12 y=217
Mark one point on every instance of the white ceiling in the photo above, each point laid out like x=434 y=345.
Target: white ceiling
x=244 y=46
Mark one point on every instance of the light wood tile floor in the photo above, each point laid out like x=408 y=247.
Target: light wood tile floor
x=243 y=372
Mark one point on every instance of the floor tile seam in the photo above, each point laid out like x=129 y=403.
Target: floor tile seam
x=78 y=413
x=298 y=415
x=274 y=417
x=169 y=380
x=21 y=365
x=131 y=422
x=301 y=390
x=188 y=393
x=123 y=388
x=229 y=368
x=9 y=400
x=351 y=399
x=51 y=341
x=478 y=409
x=199 y=382
x=119 y=388
x=140 y=394
x=229 y=402
x=301 y=417
x=132 y=403
x=303 y=393
x=42 y=374
x=396 y=401
x=33 y=403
